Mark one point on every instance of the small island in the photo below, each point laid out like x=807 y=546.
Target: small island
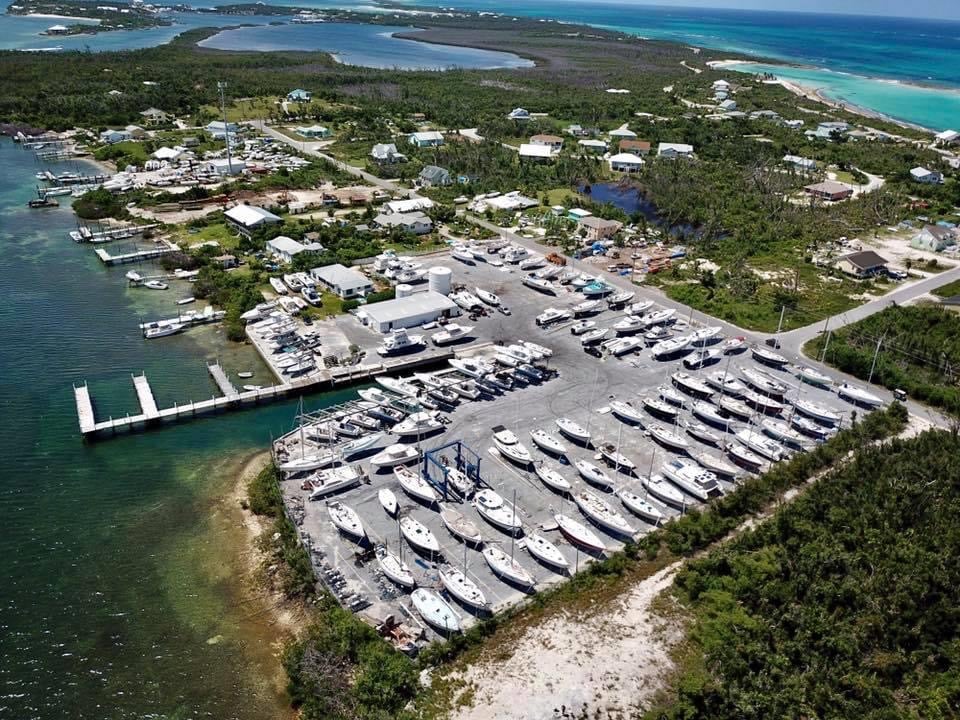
x=91 y=18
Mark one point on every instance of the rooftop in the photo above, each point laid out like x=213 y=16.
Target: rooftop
x=393 y=310
x=341 y=276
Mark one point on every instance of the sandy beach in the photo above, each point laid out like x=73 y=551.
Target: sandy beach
x=91 y=21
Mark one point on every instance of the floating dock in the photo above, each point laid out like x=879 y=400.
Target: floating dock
x=221 y=379
x=137 y=255
x=88 y=423
x=145 y=395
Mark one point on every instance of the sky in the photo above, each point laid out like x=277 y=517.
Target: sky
x=946 y=9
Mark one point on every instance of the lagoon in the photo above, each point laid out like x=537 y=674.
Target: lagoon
x=366 y=45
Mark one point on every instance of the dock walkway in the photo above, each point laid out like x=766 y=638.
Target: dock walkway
x=145 y=395
x=221 y=379
x=137 y=255
x=85 y=414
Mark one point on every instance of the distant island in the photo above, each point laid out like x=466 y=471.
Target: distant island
x=96 y=18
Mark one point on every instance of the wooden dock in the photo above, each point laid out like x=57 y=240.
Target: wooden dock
x=221 y=379
x=145 y=395
x=88 y=423
x=137 y=255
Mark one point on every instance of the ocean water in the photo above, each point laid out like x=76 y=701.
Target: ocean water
x=120 y=595
x=359 y=44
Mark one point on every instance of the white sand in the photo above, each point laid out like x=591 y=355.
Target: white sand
x=609 y=661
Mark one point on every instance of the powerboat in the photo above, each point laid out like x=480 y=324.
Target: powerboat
x=395 y=569
x=701 y=358
x=459 y=481
x=611 y=454
x=628 y=325
x=600 y=512
x=443 y=395
x=658 y=333
x=768 y=357
x=625 y=411
x=717 y=465
x=641 y=507
x=331 y=480
x=418 y=535
x=760 y=444
x=507 y=568
x=466 y=300
x=529 y=372
x=497 y=511
x=702 y=433
x=597 y=288
x=461 y=526
x=663 y=491
x=814 y=377
x=593 y=336
x=593 y=474
x=532 y=263
x=471 y=368
x=451 y=333
x=506 y=360
x=346 y=519
x=817 y=412
x=734 y=345
x=547 y=442
x=579 y=534
x=637 y=308
x=415 y=485
x=155 y=285
x=546 y=552
x=538 y=284
x=467 y=389
x=388 y=500
x=401 y=387
x=553 y=315
x=725 y=383
x=510 y=446
x=763 y=382
x=435 y=611
x=462 y=254
x=417 y=425
x=691 y=478
x=587 y=307
x=399 y=342
x=488 y=297
x=623 y=346
x=395 y=455
x=572 y=430
x=706 y=335
x=659 y=317
x=278 y=286
x=462 y=588
x=691 y=385
x=552 y=479
x=668 y=438
x=539 y=352
x=620 y=298
x=858 y=396
x=582 y=327
x=666 y=348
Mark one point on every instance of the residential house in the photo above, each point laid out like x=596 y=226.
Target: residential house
x=554 y=142
x=314 y=131
x=575 y=130
x=720 y=85
x=518 y=114
x=578 y=214
x=218 y=129
x=934 y=238
x=953 y=162
x=222 y=166
x=286 y=249
x=622 y=133
x=800 y=163
x=249 y=218
x=928 y=177
x=626 y=162
x=429 y=138
x=535 y=153
x=299 y=95
x=593 y=147
x=111 y=137
x=343 y=281
x=598 y=228
x=829 y=190
x=386 y=154
x=674 y=150
x=407 y=206
x=947 y=137
x=190 y=141
x=412 y=222
x=862 y=264
x=226 y=261
x=764 y=115
x=793 y=124
x=728 y=105
x=637 y=147
x=167 y=153
x=433 y=176
x=829 y=130
x=154 y=116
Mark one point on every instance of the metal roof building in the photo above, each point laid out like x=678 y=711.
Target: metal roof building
x=408 y=311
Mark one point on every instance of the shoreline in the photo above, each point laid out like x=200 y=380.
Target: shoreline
x=50 y=16
x=818 y=95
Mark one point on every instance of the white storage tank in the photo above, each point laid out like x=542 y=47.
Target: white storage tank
x=439 y=279
x=404 y=290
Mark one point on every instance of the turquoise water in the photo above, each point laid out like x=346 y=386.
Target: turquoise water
x=119 y=596
x=366 y=45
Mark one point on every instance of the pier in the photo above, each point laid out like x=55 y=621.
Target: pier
x=159 y=250
x=221 y=379
x=145 y=395
x=85 y=414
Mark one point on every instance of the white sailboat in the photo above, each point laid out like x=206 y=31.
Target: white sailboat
x=858 y=396
x=817 y=412
x=725 y=383
x=744 y=457
x=415 y=485
x=331 y=480
x=538 y=284
x=552 y=479
x=702 y=433
x=587 y=307
x=735 y=407
x=395 y=455
x=388 y=501
x=497 y=511
x=781 y=431
x=668 y=438
x=507 y=567
x=510 y=446
x=460 y=526
x=546 y=552
x=691 y=385
x=763 y=382
x=611 y=453
x=600 y=512
x=625 y=411
x=547 y=442
x=707 y=335
x=346 y=519
x=708 y=413
x=462 y=588
x=658 y=486
x=435 y=610
x=760 y=444
x=814 y=377
x=395 y=569
x=717 y=465
x=768 y=357
x=419 y=535
x=656 y=406
x=573 y=430
x=593 y=474
x=488 y=297
x=762 y=403
x=809 y=427
x=579 y=534
x=639 y=506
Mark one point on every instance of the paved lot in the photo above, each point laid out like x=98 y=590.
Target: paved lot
x=581 y=391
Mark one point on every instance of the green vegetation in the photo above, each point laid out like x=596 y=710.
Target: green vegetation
x=919 y=352
x=116 y=16
x=99 y=204
x=234 y=292
x=842 y=605
x=128 y=152
x=949 y=290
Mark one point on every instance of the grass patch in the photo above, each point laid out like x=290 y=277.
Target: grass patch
x=949 y=290
x=216 y=232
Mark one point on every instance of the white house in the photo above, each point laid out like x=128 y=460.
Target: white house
x=386 y=154
x=728 y=105
x=622 y=132
x=947 y=137
x=674 y=150
x=342 y=280
x=626 y=162
x=167 y=153
x=429 y=138
x=518 y=114
x=536 y=153
x=218 y=129
x=314 y=131
x=222 y=166
x=793 y=124
x=412 y=222
x=286 y=249
x=595 y=147
x=247 y=218
x=554 y=142
x=406 y=206
x=114 y=136
x=928 y=177
x=800 y=163
x=720 y=85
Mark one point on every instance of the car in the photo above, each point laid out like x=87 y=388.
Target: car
x=307 y=320
x=591 y=350
x=505 y=310
x=773 y=342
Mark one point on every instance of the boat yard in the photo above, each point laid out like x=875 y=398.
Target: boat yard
x=591 y=391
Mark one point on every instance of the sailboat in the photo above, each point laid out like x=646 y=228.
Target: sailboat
x=768 y=357
x=510 y=447
x=725 y=383
x=572 y=430
x=814 y=377
x=657 y=486
x=668 y=438
x=388 y=500
x=593 y=475
x=395 y=455
x=346 y=519
x=395 y=568
x=462 y=588
x=639 y=506
x=327 y=482
x=460 y=526
x=546 y=552
x=858 y=396
x=625 y=411
x=601 y=513
x=507 y=568
x=760 y=444
x=610 y=452
x=552 y=479
x=497 y=511
x=579 y=534
x=415 y=485
x=547 y=442
x=435 y=610
x=815 y=411
x=419 y=535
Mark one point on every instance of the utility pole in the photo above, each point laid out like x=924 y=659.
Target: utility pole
x=783 y=309
x=221 y=86
x=876 y=353
x=823 y=358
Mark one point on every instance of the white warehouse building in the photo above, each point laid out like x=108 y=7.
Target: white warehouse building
x=407 y=312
